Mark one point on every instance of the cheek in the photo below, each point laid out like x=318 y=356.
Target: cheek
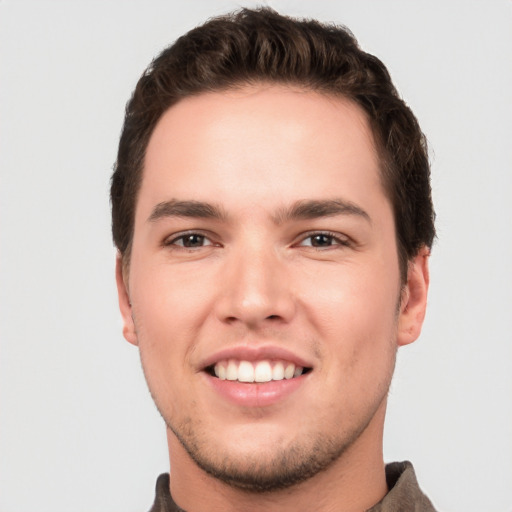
x=169 y=299
x=161 y=331
x=352 y=298
x=354 y=315
x=170 y=306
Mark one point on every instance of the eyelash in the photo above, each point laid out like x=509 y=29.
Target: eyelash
x=171 y=241
x=335 y=238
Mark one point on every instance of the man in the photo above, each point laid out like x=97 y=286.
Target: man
x=272 y=210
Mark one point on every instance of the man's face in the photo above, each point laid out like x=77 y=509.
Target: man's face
x=264 y=246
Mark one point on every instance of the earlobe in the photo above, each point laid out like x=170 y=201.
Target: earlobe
x=414 y=298
x=124 y=303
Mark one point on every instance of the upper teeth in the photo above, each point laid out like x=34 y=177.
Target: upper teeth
x=260 y=371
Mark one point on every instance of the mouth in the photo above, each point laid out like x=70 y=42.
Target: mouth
x=262 y=371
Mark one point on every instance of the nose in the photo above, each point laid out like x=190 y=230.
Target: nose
x=256 y=289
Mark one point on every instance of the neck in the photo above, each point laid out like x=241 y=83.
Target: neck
x=355 y=481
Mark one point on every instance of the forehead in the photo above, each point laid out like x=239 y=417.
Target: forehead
x=259 y=141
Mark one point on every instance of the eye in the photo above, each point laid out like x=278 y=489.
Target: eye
x=189 y=241
x=323 y=240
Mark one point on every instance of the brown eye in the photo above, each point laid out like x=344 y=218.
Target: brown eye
x=321 y=240
x=190 y=241
x=324 y=240
x=193 y=240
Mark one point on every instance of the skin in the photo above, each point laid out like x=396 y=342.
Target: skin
x=325 y=288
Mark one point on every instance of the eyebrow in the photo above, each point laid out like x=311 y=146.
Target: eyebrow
x=196 y=209
x=313 y=209
x=300 y=210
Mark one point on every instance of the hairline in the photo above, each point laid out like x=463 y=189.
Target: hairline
x=383 y=157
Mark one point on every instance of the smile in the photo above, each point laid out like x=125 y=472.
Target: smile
x=257 y=376
x=256 y=371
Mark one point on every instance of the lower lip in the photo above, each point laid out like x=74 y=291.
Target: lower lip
x=255 y=394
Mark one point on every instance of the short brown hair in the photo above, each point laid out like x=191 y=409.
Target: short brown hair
x=254 y=46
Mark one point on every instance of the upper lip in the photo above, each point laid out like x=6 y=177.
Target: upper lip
x=255 y=353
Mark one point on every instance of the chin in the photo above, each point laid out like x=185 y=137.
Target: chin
x=262 y=468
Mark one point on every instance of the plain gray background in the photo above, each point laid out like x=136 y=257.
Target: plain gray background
x=78 y=430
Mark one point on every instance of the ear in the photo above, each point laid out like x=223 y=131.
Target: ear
x=125 y=305
x=414 y=298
